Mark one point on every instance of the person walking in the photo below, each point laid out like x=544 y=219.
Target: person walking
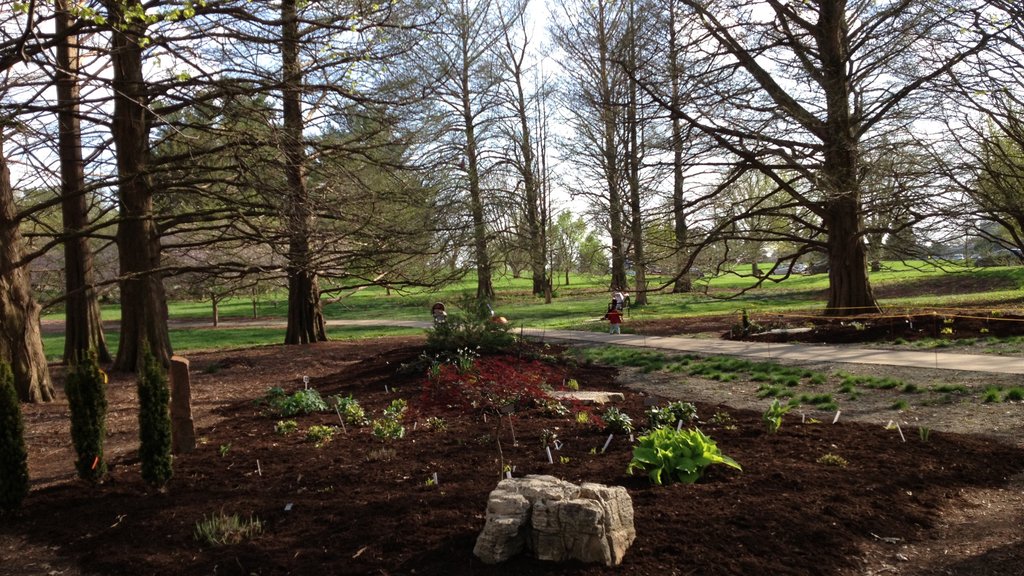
x=614 y=318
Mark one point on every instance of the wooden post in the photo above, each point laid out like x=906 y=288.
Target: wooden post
x=183 y=431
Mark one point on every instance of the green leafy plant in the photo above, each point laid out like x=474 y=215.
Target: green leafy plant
x=14 y=482
x=924 y=433
x=86 y=392
x=436 y=423
x=387 y=429
x=672 y=414
x=320 y=435
x=617 y=421
x=772 y=417
x=286 y=427
x=667 y=455
x=723 y=419
x=223 y=530
x=224 y=449
x=154 y=421
x=548 y=437
x=352 y=413
x=306 y=401
x=572 y=384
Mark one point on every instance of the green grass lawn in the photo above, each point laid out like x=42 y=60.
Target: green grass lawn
x=581 y=304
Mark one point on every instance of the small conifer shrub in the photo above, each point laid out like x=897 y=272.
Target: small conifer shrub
x=13 y=455
x=86 y=388
x=154 y=421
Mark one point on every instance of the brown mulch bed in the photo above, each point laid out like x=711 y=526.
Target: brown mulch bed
x=344 y=508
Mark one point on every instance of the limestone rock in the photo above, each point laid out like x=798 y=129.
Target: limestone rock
x=556 y=520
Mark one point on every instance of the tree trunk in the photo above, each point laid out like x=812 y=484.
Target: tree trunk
x=633 y=155
x=611 y=156
x=484 y=283
x=683 y=282
x=83 y=325
x=21 y=342
x=849 y=290
x=305 y=315
x=143 y=300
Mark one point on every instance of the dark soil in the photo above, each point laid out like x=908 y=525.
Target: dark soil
x=346 y=508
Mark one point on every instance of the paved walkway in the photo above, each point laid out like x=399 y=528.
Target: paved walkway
x=768 y=350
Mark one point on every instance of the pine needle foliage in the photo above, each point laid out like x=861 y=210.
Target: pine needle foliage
x=154 y=421
x=86 y=388
x=13 y=455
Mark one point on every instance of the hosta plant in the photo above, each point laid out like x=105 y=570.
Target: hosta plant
x=773 y=416
x=668 y=455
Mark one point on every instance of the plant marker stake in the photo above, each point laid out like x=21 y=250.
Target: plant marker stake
x=414 y=425
x=803 y=418
x=836 y=419
x=558 y=444
x=340 y=419
x=513 y=429
x=606 y=443
x=679 y=425
x=305 y=382
x=386 y=391
x=435 y=478
x=900 y=430
x=550 y=459
x=259 y=470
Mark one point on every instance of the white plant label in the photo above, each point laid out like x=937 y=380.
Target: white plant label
x=558 y=444
x=305 y=382
x=550 y=459
x=836 y=419
x=606 y=443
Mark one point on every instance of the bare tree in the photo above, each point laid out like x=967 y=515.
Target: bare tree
x=809 y=86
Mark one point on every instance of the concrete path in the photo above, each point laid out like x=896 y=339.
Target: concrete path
x=767 y=350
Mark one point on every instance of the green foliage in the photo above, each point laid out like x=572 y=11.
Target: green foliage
x=351 y=412
x=307 y=401
x=471 y=329
x=772 y=417
x=900 y=405
x=222 y=530
x=13 y=454
x=286 y=427
x=87 y=400
x=992 y=394
x=617 y=421
x=320 y=435
x=671 y=415
x=436 y=423
x=668 y=455
x=154 y=421
x=389 y=427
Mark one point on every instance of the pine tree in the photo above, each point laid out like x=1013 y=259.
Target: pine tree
x=87 y=399
x=13 y=456
x=154 y=422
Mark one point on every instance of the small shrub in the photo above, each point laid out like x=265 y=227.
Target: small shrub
x=436 y=423
x=472 y=329
x=900 y=405
x=86 y=391
x=668 y=455
x=14 y=482
x=223 y=530
x=154 y=421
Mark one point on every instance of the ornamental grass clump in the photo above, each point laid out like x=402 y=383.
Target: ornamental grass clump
x=13 y=454
x=87 y=399
x=668 y=455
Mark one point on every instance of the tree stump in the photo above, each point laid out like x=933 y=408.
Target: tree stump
x=183 y=430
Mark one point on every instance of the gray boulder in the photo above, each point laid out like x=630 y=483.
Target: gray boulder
x=556 y=520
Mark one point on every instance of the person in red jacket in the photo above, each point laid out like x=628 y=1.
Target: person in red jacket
x=614 y=317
